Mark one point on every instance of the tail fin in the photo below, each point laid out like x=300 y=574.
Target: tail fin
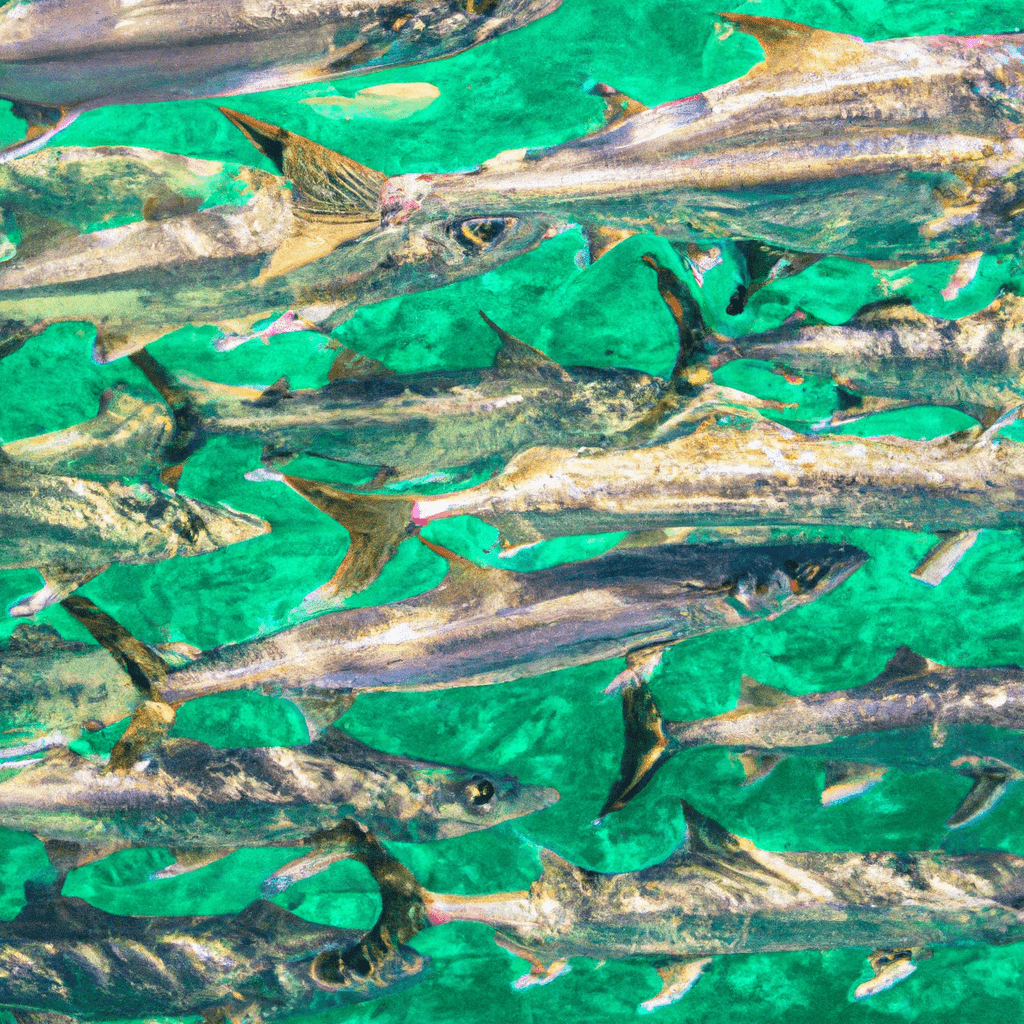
x=685 y=312
x=189 y=432
x=376 y=523
x=647 y=747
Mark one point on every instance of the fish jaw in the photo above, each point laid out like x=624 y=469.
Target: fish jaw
x=502 y=910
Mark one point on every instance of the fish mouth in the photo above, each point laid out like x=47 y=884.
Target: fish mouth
x=836 y=564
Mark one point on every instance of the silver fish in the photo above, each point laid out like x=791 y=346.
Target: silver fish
x=140 y=243
x=60 y=58
x=911 y=694
x=721 y=895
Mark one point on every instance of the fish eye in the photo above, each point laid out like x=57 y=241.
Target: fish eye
x=480 y=232
x=479 y=793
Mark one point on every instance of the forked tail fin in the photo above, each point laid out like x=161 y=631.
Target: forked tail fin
x=647 y=747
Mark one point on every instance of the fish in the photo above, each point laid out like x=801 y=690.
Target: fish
x=161 y=241
x=483 y=626
x=720 y=895
x=894 y=151
x=71 y=529
x=124 y=440
x=889 y=356
x=413 y=423
x=63 y=960
x=911 y=695
x=60 y=58
x=203 y=802
x=746 y=473
x=53 y=691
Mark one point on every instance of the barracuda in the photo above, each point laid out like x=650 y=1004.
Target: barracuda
x=721 y=895
x=203 y=802
x=63 y=960
x=484 y=626
x=198 y=242
x=903 y=149
x=59 y=58
x=912 y=695
x=71 y=529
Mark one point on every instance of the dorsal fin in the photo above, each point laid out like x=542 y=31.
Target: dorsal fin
x=557 y=869
x=5 y=459
x=272 y=395
x=790 y=46
x=904 y=664
x=329 y=185
x=460 y=569
x=707 y=836
x=756 y=695
x=516 y=356
x=350 y=365
x=601 y=239
x=618 y=106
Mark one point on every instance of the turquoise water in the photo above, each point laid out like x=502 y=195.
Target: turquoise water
x=528 y=89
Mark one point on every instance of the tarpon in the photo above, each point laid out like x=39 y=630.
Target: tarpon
x=484 y=625
x=721 y=895
x=71 y=529
x=902 y=149
x=63 y=960
x=202 y=802
x=140 y=243
x=912 y=695
x=59 y=58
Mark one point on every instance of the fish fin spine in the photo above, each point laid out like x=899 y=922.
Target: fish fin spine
x=516 y=356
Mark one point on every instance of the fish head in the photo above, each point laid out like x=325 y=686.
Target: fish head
x=770 y=580
x=460 y=801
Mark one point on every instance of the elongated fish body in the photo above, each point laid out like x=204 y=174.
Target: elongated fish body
x=188 y=795
x=61 y=959
x=140 y=243
x=975 y=364
x=417 y=422
x=722 y=895
x=70 y=53
x=124 y=440
x=51 y=689
x=50 y=520
x=749 y=474
x=898 y=149
x=486 y=626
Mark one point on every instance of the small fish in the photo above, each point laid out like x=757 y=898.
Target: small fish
x=746 y=474
x=71 y=529
x=720 y=895
x=203 y=802
x=124 y=440
x=60 y=58
x=63 y=960
x=414 y=423
x=391 y=102
x=159 y=241
x=911 y=694
x=631 y=602
x=901 y=149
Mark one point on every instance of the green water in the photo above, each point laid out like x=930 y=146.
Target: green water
x=527 y=89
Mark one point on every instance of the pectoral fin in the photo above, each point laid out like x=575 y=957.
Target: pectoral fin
x=150 y=723
x=991 y=777
x=640 y=666
x=944 y=557
x=59 y=582
x=890 y=967
x=187 y=861
x=322 y=709
x=790 y=46
x=647 y=747
x=758 y=764
x=677 y=978
x=846 y=779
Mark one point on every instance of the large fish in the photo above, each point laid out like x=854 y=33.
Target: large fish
x=721 y=895
x=140 y=243
x=59 y=58
x=912 y=698
x=203 y=802
x=62 y=960
x=902 y=149
x=71 y=529
x=483 y=625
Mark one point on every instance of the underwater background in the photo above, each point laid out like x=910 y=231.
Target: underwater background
x=528 y=88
